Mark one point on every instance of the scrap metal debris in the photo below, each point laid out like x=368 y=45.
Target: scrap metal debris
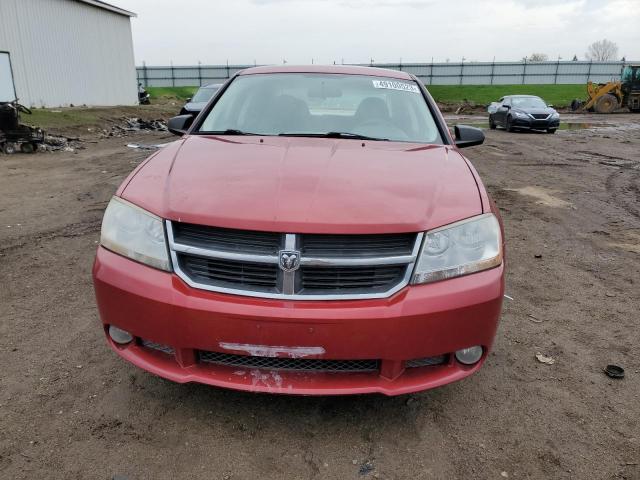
x=534 y=319
x=366 y=468
x=51 y=143
x=544 y=359
x=54 y=143
x=614 y=371
x=466 y=105
x=144 y=146
x=131 y=125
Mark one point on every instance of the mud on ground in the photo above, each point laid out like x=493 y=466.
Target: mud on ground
x=71 y=409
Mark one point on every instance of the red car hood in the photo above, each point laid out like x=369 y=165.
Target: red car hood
x=304 y=185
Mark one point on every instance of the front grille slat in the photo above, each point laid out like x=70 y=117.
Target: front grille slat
x=230 y=273
x=345 y=266
x=226 y=269
x=356 y=276
x=383 y=245
x=231 y=276
x=349 y=278
x=226 y=239
x=292 y=364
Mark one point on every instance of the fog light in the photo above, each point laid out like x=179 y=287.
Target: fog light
x=119 y=336
x=470 y=355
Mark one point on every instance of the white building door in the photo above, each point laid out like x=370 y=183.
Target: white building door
x=7 y=87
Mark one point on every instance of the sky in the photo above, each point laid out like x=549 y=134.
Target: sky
x=385 y=31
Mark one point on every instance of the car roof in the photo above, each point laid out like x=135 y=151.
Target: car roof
x=339 y=69
x=211 y=85
x=521 y=96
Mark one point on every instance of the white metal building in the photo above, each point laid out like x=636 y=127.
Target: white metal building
x=67 y=52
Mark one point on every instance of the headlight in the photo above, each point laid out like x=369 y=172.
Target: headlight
x=135 y=233
x=463 y=247
x=555 y=115
x=520 y=114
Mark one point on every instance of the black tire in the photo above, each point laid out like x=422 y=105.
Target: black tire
x=27 y=148
x=551 y=130
x=507 y=125
x=576 y=104
x=492 y=124
x=8 y=148
x=607 y=103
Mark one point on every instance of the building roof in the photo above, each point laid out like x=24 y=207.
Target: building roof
x=108 y=6
x=344 y=69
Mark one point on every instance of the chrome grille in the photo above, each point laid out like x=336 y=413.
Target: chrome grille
x=278 y=363
x=328 y=266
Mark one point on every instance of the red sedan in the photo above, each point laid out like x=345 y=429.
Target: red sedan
x=316 y=230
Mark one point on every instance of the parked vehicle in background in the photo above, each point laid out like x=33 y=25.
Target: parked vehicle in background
x=523 y=112
x=14 y=135
x=316 y=230
x=195 y=104
x=607 y=97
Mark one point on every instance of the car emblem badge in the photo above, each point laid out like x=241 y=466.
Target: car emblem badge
x=289 y=260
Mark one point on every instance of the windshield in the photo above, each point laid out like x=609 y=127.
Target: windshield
x=527 y=102
x=320 y=104
x=204 y=94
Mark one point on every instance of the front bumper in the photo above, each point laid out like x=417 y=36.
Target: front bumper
x=535 y=124
x=417 y=322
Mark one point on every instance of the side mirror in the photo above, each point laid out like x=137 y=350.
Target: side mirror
x=550 y=106
x=180 y=124
x=507 y=106
x=188 y=99
x=468 y=136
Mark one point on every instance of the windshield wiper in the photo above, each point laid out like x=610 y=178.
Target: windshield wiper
x=354 y=136
x=228 y=131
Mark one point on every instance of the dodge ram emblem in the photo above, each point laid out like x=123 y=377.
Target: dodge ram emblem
x=289 y=260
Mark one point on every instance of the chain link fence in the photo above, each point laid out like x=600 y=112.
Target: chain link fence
x=477 y=73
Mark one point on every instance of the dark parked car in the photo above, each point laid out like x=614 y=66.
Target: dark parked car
x=526 y=112
x=195 y=104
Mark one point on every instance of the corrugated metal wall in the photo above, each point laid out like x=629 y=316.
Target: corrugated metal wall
x=485 y=73
x=67 y=52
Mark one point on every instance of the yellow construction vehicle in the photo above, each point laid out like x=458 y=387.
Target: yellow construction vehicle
x=607 y=97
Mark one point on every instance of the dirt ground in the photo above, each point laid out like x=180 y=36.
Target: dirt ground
x=71 y=409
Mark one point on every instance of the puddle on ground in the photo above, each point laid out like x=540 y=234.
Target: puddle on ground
x=580 y=126
x=543 y=196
